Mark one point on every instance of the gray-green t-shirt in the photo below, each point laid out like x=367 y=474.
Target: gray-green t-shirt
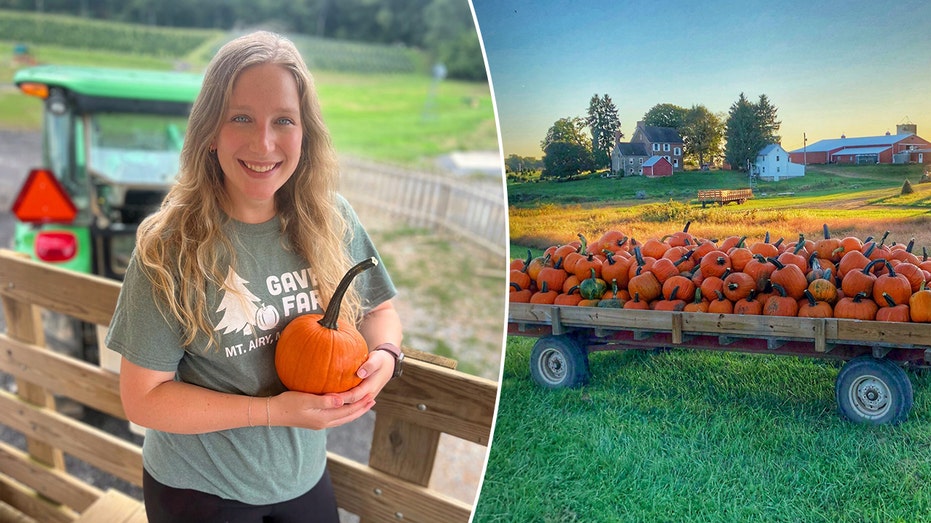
x=255 y=465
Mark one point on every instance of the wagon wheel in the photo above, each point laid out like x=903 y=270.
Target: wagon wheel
x=875 y=391
x=558 y=362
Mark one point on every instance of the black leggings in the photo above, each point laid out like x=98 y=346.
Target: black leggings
x=165 y=504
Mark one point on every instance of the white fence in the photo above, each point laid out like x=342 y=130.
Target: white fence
x=475 y=212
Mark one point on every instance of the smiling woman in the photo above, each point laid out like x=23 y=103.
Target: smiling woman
x=201 y=307
x=259 y=142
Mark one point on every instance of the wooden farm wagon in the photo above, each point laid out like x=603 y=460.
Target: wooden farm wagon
x=871 y=387
x=724 y=196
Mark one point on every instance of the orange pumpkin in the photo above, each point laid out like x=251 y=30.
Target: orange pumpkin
x=685 y=286
x=646 y=285
x=823 y=288
x=720 y=304
x=749 y=306
x=857 y=307
x=518 y=264
x=545 y=295
x=812 y=308
x=862 y=280
x=738 y=285
x=892 y=311
x=780 y=304
x=919 y=305
x=616 y=268
x=790 y=277
x=894 y=284
x=519 y=295
x=572 y=297
x=827 y=247
x=636 y=303
x=521 y=278
x=697 y=304
x=715 y=263
x=739 y=257
x=320 y=353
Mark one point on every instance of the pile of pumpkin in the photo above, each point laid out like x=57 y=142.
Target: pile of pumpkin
x=847 y=277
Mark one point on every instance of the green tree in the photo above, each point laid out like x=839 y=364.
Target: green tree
x=567 y=151
x=565 y=160
x=522 y=164
x=703 y=134
x=742 y=133
x=750 y=127
x=567 y=130
x=452 y=38
x=766 y=119
x=605 y=127
x=665 y=115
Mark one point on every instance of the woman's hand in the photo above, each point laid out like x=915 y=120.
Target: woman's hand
x=310 y=411
x=376 y=372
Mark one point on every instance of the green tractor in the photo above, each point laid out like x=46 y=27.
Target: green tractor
x=110 y=150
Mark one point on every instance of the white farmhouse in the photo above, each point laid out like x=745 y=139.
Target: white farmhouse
x=772 y=163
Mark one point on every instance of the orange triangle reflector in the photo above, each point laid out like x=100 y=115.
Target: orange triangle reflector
x=42 y=199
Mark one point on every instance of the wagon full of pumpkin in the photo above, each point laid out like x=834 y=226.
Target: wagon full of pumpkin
x=864 y=301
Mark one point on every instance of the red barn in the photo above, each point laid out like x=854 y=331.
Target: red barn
x=657 y=166
x=903 y=147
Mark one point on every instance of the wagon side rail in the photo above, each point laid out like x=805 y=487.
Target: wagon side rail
x=412 y=412
x=824 y=334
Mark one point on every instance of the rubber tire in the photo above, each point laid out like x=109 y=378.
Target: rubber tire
x=874 y=391
x=558 y=362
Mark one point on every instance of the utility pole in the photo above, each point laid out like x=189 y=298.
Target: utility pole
x=805 y=148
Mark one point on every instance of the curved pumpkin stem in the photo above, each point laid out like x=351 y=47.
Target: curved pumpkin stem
x=811 y=298
x=330 y=317
x=889 y=300
x=869 y=266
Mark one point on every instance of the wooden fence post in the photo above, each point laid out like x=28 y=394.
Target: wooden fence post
x=24 y=323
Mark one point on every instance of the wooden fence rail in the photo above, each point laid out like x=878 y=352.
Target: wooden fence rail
x=411 y=414
x=437 y=202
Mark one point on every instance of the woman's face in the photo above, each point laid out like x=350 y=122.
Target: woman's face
x=259 y=143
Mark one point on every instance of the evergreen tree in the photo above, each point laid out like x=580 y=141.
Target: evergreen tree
x=605 y=127
x=766 y=119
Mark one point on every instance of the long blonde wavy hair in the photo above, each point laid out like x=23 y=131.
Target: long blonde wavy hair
x=179 y=246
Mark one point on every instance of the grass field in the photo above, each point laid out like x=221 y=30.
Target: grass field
x=693 y=436
x=400 y=118
x=688 y=436
x=853 y=200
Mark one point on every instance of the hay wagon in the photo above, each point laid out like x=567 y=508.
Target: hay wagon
x=871 y=387
x=724 y=196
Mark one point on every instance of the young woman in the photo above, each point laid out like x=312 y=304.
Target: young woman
x=253 y=224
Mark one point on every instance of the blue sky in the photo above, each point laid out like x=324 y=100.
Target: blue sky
x=855 y=67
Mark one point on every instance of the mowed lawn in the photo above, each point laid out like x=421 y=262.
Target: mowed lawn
x=685 y=435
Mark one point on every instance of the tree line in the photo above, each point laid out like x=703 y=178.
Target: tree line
x=443 y=28
x=579 y=144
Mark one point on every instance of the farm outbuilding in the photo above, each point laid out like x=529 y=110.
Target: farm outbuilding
x=772 y=163
x=903 y=147
x=657 y=166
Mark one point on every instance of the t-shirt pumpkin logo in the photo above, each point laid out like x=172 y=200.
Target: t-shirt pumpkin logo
x=242 y=310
